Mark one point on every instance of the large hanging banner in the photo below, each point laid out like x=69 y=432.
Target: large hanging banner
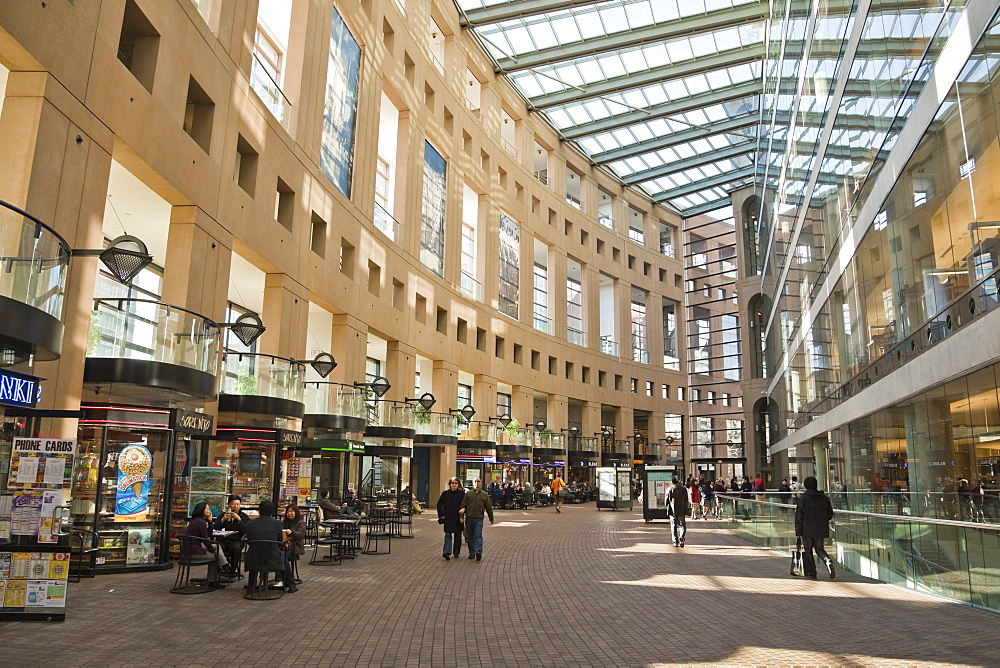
x=132 y=497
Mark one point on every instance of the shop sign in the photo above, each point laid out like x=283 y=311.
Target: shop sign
x=18 y=389
x=191 y=422
x=41 y=463
x=289 y=438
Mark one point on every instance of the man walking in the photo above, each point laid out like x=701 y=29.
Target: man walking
x=813 y=513
x=475 y=506
x=677 y=509
x=557 y=491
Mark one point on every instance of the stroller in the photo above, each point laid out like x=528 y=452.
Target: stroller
x=796 y=568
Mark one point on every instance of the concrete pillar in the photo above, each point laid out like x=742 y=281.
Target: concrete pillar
x=821 y=461
x=591 y=420
x=445 y=383
x=285 y=317
x=400 y=370
x=349 y=346
x=558 y=419
x=196 y=268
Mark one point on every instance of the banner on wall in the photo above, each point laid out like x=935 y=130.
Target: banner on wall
x=132 y=497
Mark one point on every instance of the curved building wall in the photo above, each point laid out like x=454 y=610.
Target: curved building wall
x=172 y=91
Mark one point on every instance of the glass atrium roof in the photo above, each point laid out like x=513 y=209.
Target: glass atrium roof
x=670 y=95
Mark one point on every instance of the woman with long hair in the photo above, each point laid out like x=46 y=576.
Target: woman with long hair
x=198 y=538
x=293 y=527
x=448 y=505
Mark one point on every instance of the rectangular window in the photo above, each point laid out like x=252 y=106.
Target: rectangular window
x=432 y=210
x=383 y=174
x=510 y=265
x=464 y=396
x=503 y=404
x=731 y=347
x=671 y=360
x=266 y=73
x=541 y=298
x=637 y=236
x=701 y=345
x=336 y=159
x=640 y=350
x=574 y=312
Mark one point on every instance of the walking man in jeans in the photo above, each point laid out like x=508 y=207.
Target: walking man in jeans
x=475 y=506
x=677 y=509
x=813 y=513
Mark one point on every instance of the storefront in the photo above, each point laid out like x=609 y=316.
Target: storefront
x=581 y=461
x=477 y=456
x=333 y=436
x=262 y=464
x=434 y=434
x=385 y=466
x=131 y=480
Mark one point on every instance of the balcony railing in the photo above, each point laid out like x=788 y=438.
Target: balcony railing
x=508 y=146
x=326 y=398
x=33 y=261
x=435 y=424
x=385 y=413
x=543 y=176
x=514 y=436
x=576 y=337
x=606 y=221
x=584 y=443
x=546 y=439
x=479 y=431
x=385 y=223
x=671 y=362
x=269 y=91
x=263 y=376
x=471 y=287
x=573 y=201
x=145 y=329
x=609 y=346
x=668 y=249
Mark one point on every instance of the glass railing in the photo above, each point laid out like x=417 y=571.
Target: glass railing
x=385 y=223
x=573 y=201
x=667 y=249
x=671 y=362
x=542 y=323
x=606 y=221
x=385 y=413
x=471 y=287
x=514 y=436
x=583 y=443
x=575 y=336
x=263 y=376
x=435 y=424
x=954 y=559
x=544 y=439
x=543 y=176
x=326 y=398
x=33 y=261
x=144 y=329
x=479 y=431
x=269 y=91
x=609 y=346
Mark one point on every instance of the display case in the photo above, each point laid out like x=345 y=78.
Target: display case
x=656 y=481
x=614 y=488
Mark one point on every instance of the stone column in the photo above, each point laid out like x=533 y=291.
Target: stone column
x=349 y=346
x=285 y=317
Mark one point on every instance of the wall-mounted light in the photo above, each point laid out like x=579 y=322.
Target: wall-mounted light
x=379 y=386
x=466 y=411
x=502 y=420
x=247 y=328
x=124 y=257
x=426 y=400
x=323 y=364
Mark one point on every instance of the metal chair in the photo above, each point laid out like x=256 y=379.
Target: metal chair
x=258 y=588
x=378 y=530
x=82 y=550
x=183 y=584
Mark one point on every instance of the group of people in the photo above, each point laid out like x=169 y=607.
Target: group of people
x=542 y=493
x=463 y=512
x=273 y=544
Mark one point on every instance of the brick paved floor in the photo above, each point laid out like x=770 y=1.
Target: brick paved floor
x=580 y=588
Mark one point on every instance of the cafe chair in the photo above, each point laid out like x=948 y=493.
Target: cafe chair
x=82 y=553
x=403 y=518
x=258 y=584
x=350 y=541
x=378 y=530
x=333 y=543
x=183 y=583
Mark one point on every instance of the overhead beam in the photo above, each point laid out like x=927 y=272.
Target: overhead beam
x=706 y=207
x=636 y=80
x=743 y=148
x=687 y=136
x=660 y=32
x=704 y=184
x=679 y=106
x=517 y=10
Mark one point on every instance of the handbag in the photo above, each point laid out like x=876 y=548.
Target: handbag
x=796 y=568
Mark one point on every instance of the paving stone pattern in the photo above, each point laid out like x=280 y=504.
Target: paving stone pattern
x=581 y=588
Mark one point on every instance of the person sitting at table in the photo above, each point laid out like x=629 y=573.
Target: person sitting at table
x=545 y=495
x=352 y=505
x=330 y=510
x=199 y=539
x=233 y=519
x=293 y=526
x=263 y=557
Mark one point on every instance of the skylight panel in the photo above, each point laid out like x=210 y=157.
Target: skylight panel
x=579 y=115
x=560 y=118
x=586 y=72
x=635 y=164
x=567 y=30
x=612 y=66
x=656 y=55
x=633 y=61
x=613 y=19
x=642 y=133
x=542 y=35
x=685 y=151
x=621 y=168
x=718 y=79
x=665 y=11
x=519 y=40
x=529 y=86
x=591 y=27
x=679 y=50
x=597 y=109
x=697 y=84
x=591 y=145
x=675 y=89
x=639 y=14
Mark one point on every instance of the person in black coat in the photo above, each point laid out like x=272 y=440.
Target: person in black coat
x=813 y=513
x=448 y=505
x=233 y=519
x=677 y=508
x=267 y=556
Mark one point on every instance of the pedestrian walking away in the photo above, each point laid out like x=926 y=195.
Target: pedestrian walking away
x=474 y=508
x=448 y=506
x=677 y=510
x=558 y=491
x=813 y=513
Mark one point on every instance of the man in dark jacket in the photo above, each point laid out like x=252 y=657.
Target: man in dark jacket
x=448 y=506
x=475 y=506
x=233 y=519
x=677 y=509
x=267 y=555
x=330 y=510
x=813 y=513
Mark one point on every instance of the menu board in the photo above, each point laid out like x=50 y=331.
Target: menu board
x=33 y=581
x=41 y=463
x=208 y=484
x=298 y=477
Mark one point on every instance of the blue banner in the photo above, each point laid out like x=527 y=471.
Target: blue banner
x=132 y=498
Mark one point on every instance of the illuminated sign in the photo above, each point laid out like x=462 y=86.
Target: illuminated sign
x=17 y=389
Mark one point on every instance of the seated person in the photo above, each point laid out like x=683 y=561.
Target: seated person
x=508 y=496
x=199 y=539
x=293 y=527
x=352 y=506
x=233 y=519
x=545 y=495
x=264 y=556
x=330 y=510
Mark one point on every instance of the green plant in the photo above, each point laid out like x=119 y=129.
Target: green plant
x=512 y=427
x=94 y=335
x=421 y=415
x=244 y=383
